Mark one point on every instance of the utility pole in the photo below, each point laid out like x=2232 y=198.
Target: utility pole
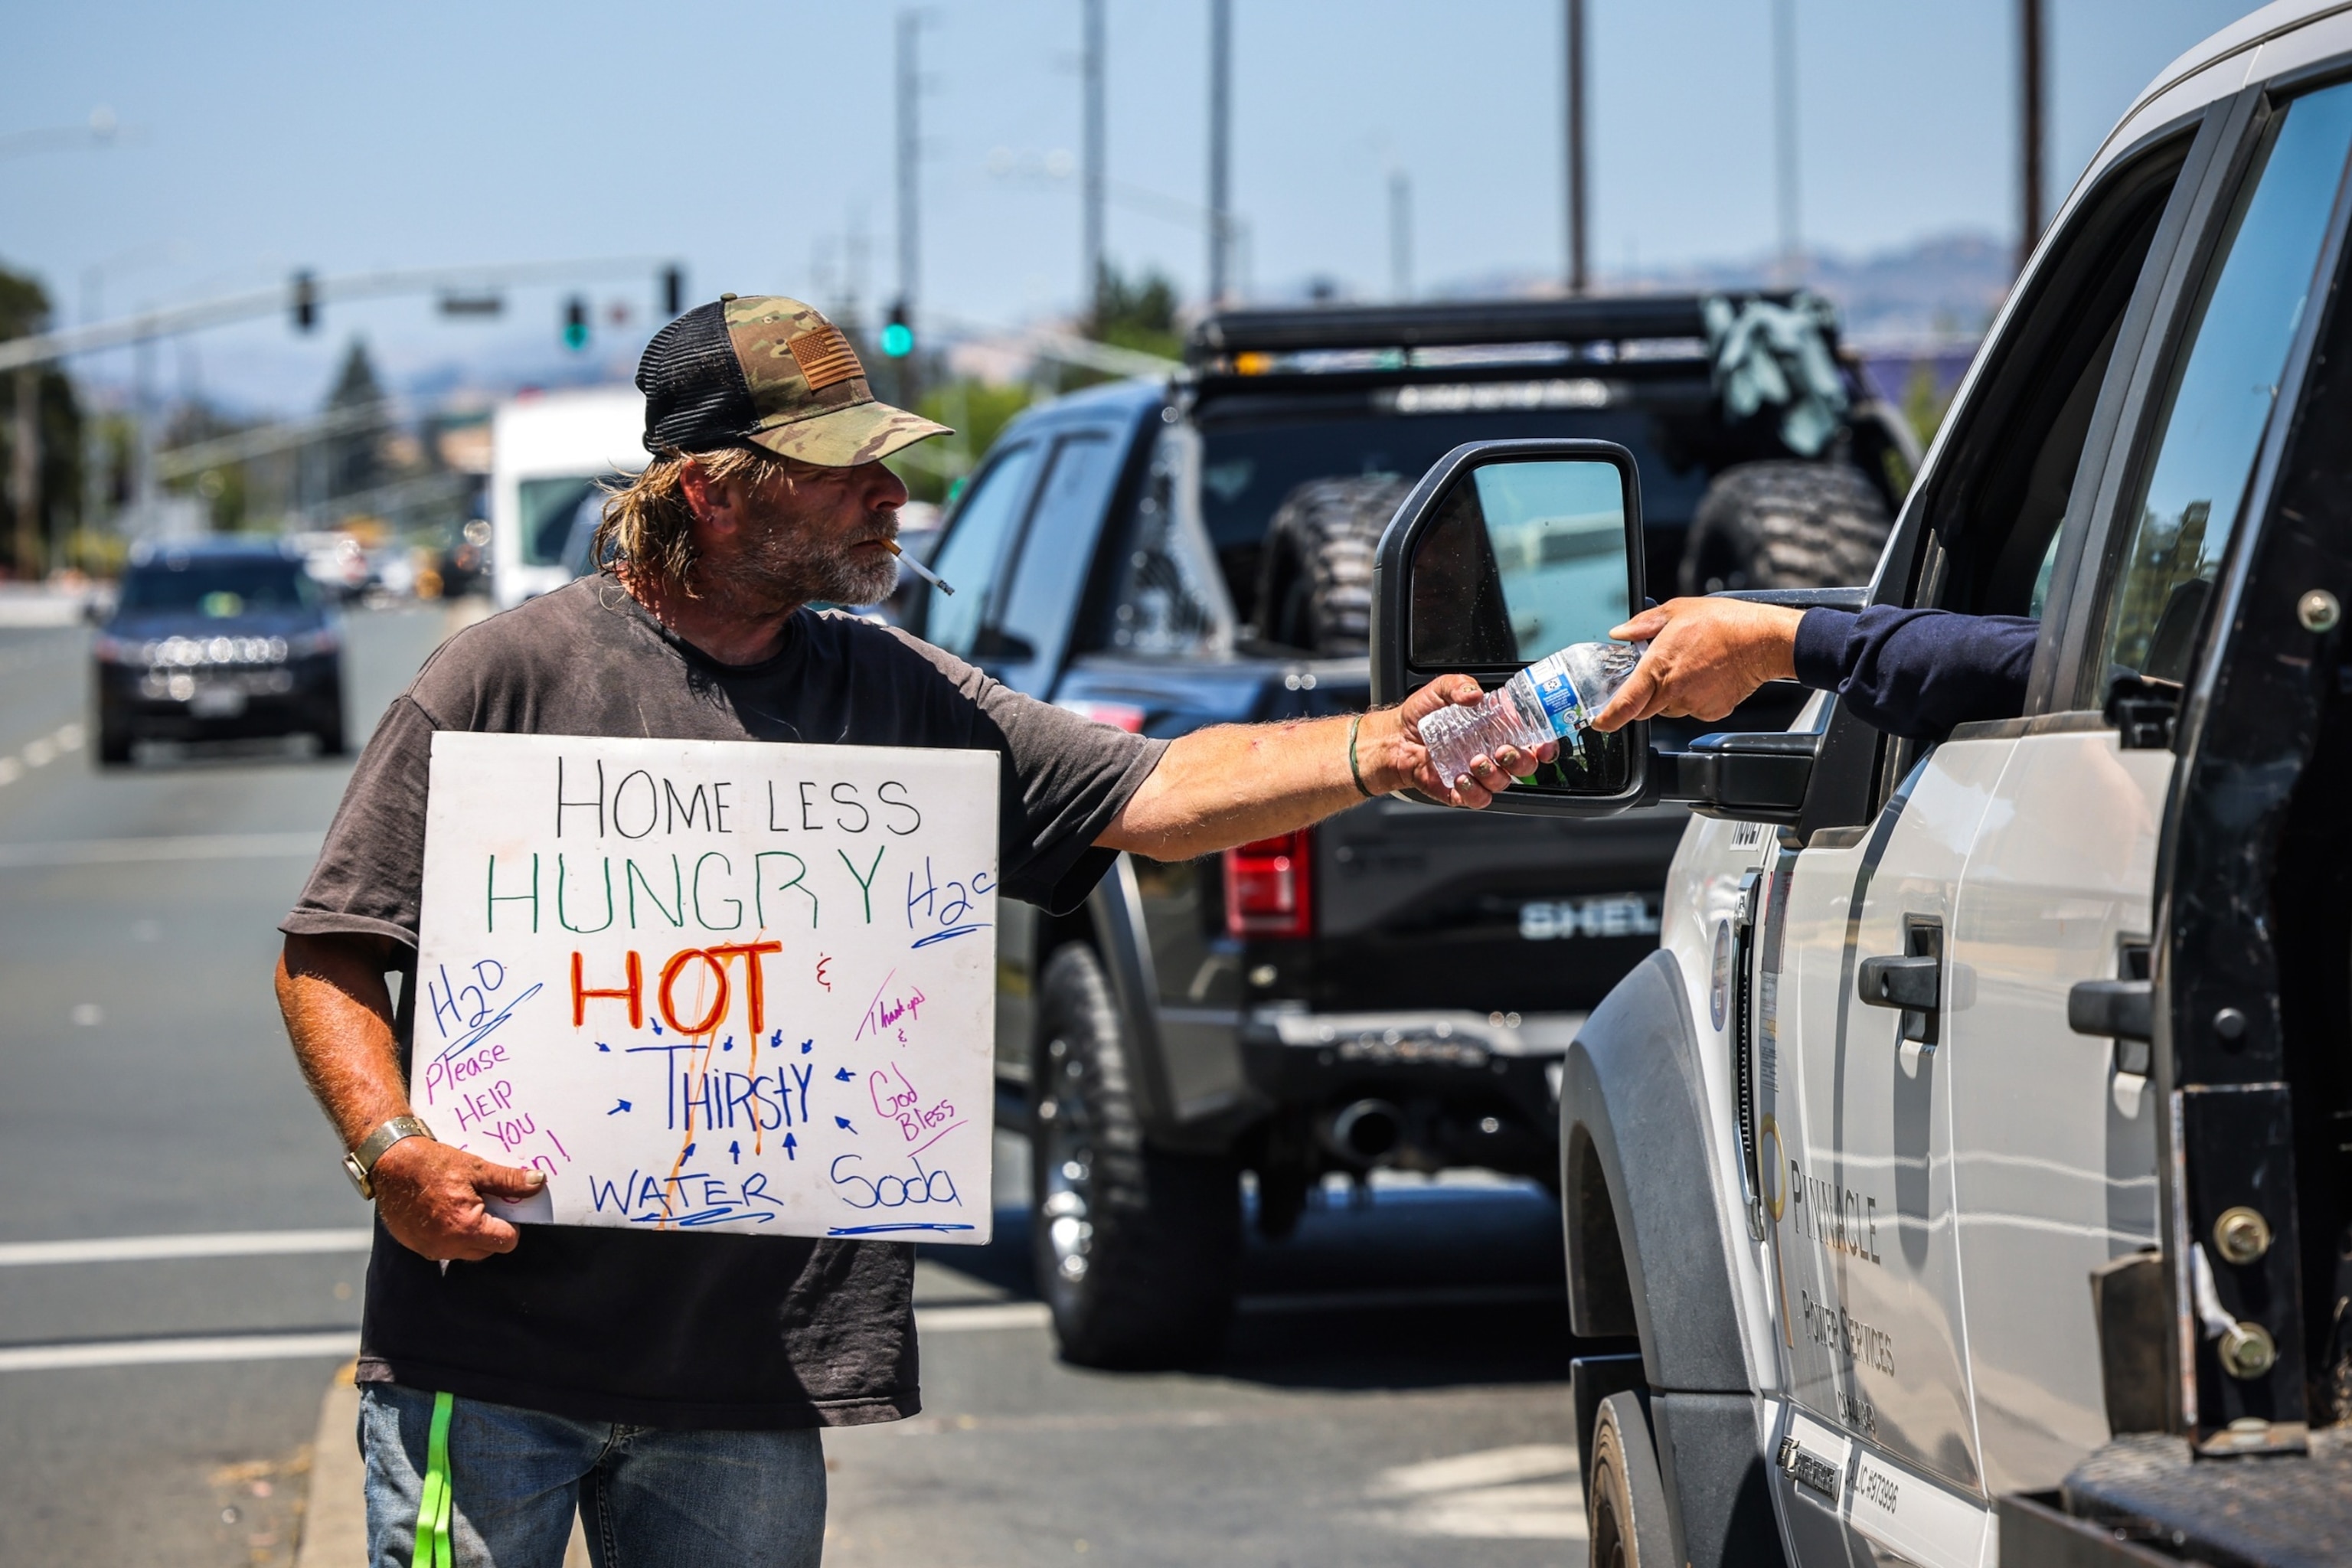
x=1784 y=137
x=1090 y=177
x=1220 y=108
x=1399 y=234
x=1573 y=99
x=2029 y=88
x=909 y=155
x=24 y=478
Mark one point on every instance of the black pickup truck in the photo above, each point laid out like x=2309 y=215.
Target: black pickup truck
x=1397 y=987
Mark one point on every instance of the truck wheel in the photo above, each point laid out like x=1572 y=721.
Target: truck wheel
x=1135 y=1246
x=1785 y=525
x=1314 y=579
x=1625 y=1502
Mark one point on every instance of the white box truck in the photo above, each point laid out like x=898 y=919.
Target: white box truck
x=548 y=454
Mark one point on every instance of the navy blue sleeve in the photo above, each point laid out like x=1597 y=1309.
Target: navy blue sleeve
x=1916 y=673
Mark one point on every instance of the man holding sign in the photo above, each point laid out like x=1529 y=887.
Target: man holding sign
x=623 y=885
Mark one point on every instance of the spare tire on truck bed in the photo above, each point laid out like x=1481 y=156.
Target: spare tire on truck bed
x=1315 y=574
x=1785 y=525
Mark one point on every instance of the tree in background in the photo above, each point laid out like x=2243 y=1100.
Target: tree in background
x=32 y=544
x=1137 y=313
x=355 y=456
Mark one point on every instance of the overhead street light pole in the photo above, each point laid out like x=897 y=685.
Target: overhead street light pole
x=147 y=325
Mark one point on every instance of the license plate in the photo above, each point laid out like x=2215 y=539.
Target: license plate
x=1596 y=915
x=216 y=702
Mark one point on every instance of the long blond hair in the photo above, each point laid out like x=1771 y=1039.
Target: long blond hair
x=647 y=525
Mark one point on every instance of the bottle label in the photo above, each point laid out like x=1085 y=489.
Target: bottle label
x=1558 y=694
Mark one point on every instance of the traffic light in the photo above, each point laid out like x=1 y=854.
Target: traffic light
x=897 y=336
x=575 y=323
x=303 y=301
x=673 y=285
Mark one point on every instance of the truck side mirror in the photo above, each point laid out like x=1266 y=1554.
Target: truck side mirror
x=1505 y=552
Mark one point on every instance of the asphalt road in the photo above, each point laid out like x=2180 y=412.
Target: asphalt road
x=1394 y=1391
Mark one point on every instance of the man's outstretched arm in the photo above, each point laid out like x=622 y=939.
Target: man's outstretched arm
x=339 y=1016
x=1237 y=783
x=1908 y=672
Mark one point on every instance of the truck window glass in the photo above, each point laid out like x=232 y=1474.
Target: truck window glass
x=549 y=508
x=1057 y=548
x=975 y=547
x=1248 y=469
x=1171 y=598
x=2004 y=485
x=2224 y=385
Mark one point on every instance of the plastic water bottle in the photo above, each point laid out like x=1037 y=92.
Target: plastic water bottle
x=1553 y=699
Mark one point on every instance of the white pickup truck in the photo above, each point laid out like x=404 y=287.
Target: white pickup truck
x=1971 y=1159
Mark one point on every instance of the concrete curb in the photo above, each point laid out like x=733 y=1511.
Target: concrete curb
x=334 y=1520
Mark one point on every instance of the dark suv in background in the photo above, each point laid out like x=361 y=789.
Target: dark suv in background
x=213 y=640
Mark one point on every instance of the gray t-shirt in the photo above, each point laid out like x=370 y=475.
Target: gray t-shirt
x=659 y=1328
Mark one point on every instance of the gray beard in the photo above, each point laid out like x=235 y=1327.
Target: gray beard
x=788 y=568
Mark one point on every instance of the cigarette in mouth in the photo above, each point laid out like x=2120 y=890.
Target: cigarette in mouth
x=925 y=572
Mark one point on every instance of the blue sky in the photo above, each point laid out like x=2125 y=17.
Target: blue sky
x=752 y=140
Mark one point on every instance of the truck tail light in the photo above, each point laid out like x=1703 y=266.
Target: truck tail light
x=1270 y=887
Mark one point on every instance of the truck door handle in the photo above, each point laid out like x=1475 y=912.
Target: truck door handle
x=2113 y=1009
x=1914 y=981
x=1913 y=984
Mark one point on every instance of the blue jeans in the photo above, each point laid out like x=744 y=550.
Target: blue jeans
x=649 y=1498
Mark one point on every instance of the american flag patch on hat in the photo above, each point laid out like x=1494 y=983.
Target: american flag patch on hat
x=824 y=357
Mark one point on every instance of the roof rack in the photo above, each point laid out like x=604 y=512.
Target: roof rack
x=1565 y=321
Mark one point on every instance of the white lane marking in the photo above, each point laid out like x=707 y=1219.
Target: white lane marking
x=41 y=753
x=989 y=1315
x=342 y=1342
x=193 y=846
x=1527 y=1492
x=215 y=1244
x=1486 y=1467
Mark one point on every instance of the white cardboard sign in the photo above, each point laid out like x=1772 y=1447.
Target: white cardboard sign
x=714 y=984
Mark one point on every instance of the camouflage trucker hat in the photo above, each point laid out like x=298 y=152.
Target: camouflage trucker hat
x=772 y=372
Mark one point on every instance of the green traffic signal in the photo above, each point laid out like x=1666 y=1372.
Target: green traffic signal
x=897 y=340
x=575 y=323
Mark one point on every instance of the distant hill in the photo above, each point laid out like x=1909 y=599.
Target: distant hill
x=1942 y=289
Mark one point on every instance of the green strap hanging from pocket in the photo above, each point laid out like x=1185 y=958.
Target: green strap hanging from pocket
x=433 y=1544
